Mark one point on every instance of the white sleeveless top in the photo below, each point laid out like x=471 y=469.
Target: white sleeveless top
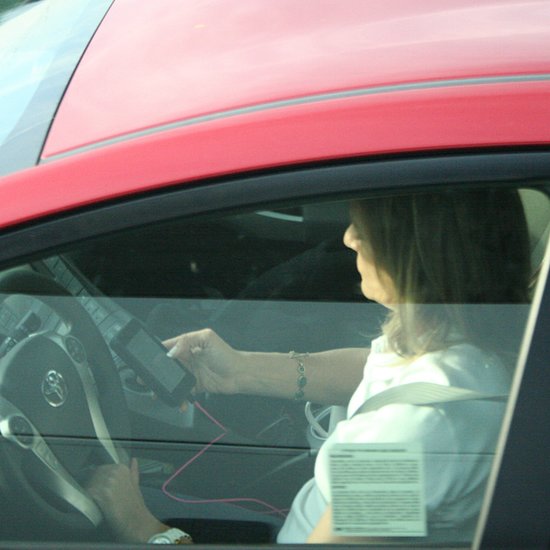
x=458 y=439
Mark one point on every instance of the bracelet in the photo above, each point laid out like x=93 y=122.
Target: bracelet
x=302 y=380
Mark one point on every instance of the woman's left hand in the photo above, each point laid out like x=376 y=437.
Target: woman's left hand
x=115 y=488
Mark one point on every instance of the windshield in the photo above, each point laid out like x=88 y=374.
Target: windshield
x=41 y=43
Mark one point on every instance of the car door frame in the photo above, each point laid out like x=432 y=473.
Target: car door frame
x=516 y=487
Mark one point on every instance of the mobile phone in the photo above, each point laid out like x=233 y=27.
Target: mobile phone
x=146 y=355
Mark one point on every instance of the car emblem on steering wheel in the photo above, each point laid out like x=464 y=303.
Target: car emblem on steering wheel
x=54 y=389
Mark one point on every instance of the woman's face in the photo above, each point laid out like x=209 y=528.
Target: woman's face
x=376 y=284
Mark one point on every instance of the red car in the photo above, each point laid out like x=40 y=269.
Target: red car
x=170 y=167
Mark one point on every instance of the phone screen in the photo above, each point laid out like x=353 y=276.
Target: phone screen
x=166 y=371
x=166 y=376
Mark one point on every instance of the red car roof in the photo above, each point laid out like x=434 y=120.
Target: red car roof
x=156 y=63
x=222 y=87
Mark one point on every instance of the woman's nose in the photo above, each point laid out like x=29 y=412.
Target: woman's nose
x=350 y=238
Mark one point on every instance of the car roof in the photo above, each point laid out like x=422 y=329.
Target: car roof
x=152 y=64
x=150 y=108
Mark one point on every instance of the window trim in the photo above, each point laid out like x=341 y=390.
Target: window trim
x=512 y=486
x=309 y=183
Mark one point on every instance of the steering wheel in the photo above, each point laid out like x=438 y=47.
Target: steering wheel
x=61 y=409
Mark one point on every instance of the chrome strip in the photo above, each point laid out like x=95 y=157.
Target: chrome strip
x=300 y=101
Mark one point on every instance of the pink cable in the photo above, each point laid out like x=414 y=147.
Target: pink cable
x=271 y=509
x=209 y=416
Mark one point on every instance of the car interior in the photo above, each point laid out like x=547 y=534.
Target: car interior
x=276 y=279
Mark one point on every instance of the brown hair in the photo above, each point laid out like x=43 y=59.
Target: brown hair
x=445 y=252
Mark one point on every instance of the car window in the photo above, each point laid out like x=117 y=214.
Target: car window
x=427 y=291
x=40 y=46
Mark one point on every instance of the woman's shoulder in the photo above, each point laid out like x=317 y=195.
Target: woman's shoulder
x=460 y=364
x=463 y=365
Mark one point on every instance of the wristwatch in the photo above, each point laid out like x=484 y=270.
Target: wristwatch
x=172 y=536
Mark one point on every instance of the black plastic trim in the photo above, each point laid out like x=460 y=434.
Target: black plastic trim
x=518 y=515
x=323 y=183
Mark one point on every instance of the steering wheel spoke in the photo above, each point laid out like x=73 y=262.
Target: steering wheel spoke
x=17 y=428
x=77 y=353
x=62 y=408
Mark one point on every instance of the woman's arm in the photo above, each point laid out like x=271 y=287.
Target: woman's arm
x=322 y=533
x=330 y=376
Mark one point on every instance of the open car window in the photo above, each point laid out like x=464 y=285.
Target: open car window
x=278 y=279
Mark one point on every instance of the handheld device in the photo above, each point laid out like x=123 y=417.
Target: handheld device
x=146 y=355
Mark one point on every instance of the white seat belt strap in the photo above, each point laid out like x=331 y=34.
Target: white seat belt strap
x=423 y=393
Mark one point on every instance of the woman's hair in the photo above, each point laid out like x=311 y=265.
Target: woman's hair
x=447 y=254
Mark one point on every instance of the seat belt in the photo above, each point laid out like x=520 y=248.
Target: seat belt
x=423 y=393
x=414 y=393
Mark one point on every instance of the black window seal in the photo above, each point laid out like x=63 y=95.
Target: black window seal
x=517 y=514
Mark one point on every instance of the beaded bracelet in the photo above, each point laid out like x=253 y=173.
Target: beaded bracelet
x=302 y=380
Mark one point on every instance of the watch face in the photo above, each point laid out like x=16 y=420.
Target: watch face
x=161 y=539
x=172 y=536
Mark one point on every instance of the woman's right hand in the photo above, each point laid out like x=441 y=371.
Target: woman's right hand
x=213 y=362
x=115 y=488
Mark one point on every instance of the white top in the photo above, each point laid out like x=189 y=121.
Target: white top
x=458 y=439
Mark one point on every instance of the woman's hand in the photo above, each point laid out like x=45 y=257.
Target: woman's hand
x=213 y=362
x=115 y=488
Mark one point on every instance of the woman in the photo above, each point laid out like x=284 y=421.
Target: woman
x=439 y=262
